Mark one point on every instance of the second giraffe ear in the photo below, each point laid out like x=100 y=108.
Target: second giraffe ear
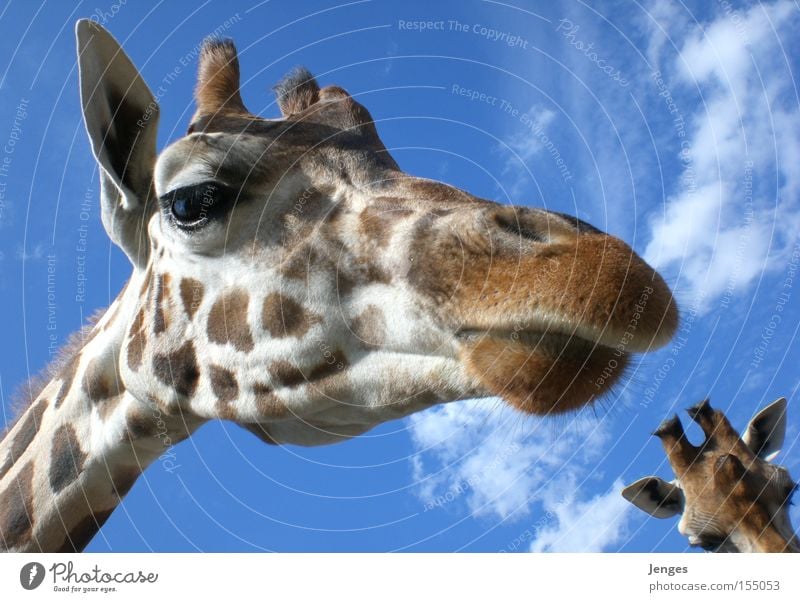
x=655 y=496
x=766 y=431
x=121 y=117
x=296 y=92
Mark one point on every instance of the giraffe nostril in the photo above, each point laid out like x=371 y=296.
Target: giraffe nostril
x=514 y=223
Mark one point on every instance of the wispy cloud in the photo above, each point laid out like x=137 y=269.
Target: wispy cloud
x=487 y=457
x=525 y=144
x=734 y=212
x=595 y=525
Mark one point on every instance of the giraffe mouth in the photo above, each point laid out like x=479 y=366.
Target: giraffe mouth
x=542 y=372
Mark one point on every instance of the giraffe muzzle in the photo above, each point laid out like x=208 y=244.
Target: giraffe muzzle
x=547 y=310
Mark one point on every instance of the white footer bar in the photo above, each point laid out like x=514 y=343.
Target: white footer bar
x=401 y=577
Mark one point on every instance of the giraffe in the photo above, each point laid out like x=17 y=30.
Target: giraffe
x=730 y=496
x=289 y=277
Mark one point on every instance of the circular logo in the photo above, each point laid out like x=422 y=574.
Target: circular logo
x=31 y=575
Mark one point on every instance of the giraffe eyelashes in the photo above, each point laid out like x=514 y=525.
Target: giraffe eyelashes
x=192 y=207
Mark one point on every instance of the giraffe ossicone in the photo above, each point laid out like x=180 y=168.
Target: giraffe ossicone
x=730 y=495
x=288 y=276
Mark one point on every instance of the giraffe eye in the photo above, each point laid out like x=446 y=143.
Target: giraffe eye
x=192 y=206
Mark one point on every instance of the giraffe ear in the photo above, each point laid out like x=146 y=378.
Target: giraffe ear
x=121 y=117
x=766 y=431
x=217 y=89
x=655 y=496
x=297 y=91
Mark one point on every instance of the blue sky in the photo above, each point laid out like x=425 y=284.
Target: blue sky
x=673 y=126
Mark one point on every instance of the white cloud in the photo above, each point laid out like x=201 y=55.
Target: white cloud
x=724 y=224
x=37 y=252
x=530 y=138
x=595 y=525
x=499 y=464
x=662 y=20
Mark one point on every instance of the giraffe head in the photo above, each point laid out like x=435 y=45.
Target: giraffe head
x=290 y=277
x=731 y=497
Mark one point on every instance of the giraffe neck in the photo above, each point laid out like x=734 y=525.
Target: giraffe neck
x=79 y=447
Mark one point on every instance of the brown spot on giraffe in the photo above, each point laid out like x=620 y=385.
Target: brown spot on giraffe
x=375 y=226
x=82 y=533
x=66 y=458
x=227 y=321
x=178 y=369
x=370 y=327
x=345 y=283
x=99 y=382
x=138 y=341
x=191 y=292
x=67 y=375
x=297 y=263
x=226 y=389
x=268 y=403
x=16 y=509
x=376 y=274
x=161 y=304
x=140 y=424
x=334 y=362
x=285 y=374
x=109 y=406
x=25 y=433
x=282 y=316
x=102 y=385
